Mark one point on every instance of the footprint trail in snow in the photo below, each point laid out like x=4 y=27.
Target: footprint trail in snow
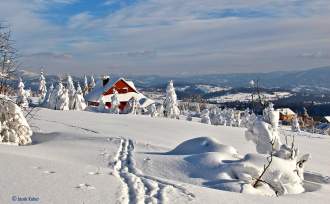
x=137 y=188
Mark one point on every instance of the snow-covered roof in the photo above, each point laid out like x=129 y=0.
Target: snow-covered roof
x=286 y=111
x=327 y=118
x=98 y=90
x=130 y=83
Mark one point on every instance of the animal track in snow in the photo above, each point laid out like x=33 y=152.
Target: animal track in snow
x=138 y=188
x=49 y=172
x=85 y=186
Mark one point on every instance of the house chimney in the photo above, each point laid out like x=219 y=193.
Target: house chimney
x=105 y=80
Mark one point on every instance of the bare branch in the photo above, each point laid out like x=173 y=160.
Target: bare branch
x=266 y=166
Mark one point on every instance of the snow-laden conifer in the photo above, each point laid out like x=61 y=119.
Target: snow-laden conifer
x=171 y=109
x=42 y=87
x=71 y=91
x=14 y=129
x=22 y=95
x=78 y=100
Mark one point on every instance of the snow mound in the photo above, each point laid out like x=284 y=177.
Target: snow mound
x=220 y=167
x=202 y=145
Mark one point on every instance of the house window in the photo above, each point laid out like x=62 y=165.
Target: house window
x=108 y=104
x=123 y=90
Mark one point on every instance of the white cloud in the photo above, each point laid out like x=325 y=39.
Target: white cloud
x=175 y=36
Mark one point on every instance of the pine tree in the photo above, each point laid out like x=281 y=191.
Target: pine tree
x=131 y=106
x=63 y=100
x=85 y=90
x=205 y=117
x=171 y=109
x=42 y=87
x=92 y=83
x=22 y=100
x=13 y=125
x=102 y=106
x=115 y=103
x=71 y=91
x=58 y=91
x=153 y=110
x=295 y=124
x=79 y=101
x=48 y=94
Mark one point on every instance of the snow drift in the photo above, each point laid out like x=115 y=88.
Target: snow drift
x=223 y=168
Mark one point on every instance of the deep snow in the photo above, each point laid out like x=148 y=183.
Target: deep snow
x=86 y=157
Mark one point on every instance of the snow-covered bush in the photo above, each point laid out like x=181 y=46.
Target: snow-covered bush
x=78 y=100
x=102 y=108
x=205 y=118
x=131 y=106
x=42 y=87
x=246 y=117
x=71 y=91
x=115 y=103
x=263 y=130
x=295 y=124
x=160 y=110
x=285 y=172
x=14 y=128
x=189 y=117
x=153 y=110
x=22 y=95
x=171 y=109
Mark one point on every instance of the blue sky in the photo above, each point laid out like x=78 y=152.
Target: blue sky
x=169 y=37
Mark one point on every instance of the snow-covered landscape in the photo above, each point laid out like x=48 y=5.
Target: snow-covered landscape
x=86 y=157
x=245 y=97
x=164 y=102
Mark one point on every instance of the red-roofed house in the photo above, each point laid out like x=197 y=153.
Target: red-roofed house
x=126 y=90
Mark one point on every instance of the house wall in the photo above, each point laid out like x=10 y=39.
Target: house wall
x=121 y=106
x=287 y=118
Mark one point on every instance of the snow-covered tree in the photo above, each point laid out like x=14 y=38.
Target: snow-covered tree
x=295 y=124
x=171 y=109
x=205 y=117
x=115 y=103
x=14 y=129
x=78 y=100
x=22 y=97
x=131 y=106
x=245 y=118
x=264 y=130
x=71 y=91
x=92 y=83
x=153 y=110
x=48 y=94
x=42 y=87
x=102 y=108
x=160 y=110
x=63 y=100
x=85 y=90
x=54 y=96
x=282 y=160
